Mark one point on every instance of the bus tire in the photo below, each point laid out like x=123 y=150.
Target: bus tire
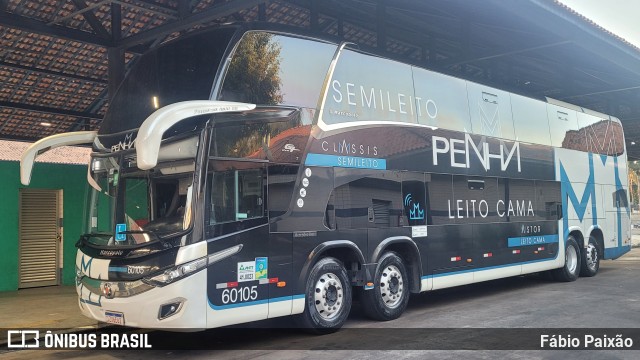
x=327 y=297
x=590 y=258
x=390 y=294
x=572 y=259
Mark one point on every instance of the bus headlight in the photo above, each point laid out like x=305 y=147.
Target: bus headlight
x=178 y=272
x=183 y=270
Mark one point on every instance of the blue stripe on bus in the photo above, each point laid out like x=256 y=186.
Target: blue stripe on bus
x=345 y=161
x=533 y=240
x=90 y=302
x=485 y=268
x=117 y=269
x=257 y=302
x=614 y=253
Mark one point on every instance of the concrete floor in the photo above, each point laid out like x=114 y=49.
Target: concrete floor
x=635 y=232
x=54 y=307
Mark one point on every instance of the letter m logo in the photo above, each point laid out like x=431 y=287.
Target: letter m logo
x=489 y=114
x=569 y=195
x=86 y=266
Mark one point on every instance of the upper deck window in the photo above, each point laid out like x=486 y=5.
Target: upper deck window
x=530 y=120
x=368 y=88
x=273 y=69
x=445 y=100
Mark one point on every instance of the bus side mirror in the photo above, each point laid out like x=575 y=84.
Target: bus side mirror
x=153 y=128
x=43 y=145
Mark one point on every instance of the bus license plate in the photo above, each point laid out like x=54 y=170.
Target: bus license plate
x=114 y=317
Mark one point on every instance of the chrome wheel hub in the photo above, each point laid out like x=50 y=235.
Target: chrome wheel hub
x=571 y=259
x=592 y=257
x=391 y=286
x=328 y=296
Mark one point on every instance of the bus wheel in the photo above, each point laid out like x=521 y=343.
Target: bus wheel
x=328 y=297
x=571 y=269
x=590 y=259
x=390 y=295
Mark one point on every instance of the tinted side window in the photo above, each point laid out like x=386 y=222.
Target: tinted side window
x=440 y=196
x=238 y=141
x=519 y=200
x=548 y=200
x=258 y=139
x=564 y=127
x=530 y=120
x=366 y=87
x=490 y=111
x=441 y=100
x=282 y=180
x=601 y=136
x=476 y=200
x=236 y=194
x=271 y=69
x=620 y=199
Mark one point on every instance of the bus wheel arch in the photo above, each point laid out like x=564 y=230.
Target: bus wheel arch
x=408 y=251
x=578 y=237
x=345 y=251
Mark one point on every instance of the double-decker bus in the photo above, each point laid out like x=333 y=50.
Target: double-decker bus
x=247 y=173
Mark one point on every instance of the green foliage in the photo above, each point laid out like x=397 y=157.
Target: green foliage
x=254 y=77
x=254 y=71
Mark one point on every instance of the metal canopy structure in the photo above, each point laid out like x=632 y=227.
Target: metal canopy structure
x=61 y=59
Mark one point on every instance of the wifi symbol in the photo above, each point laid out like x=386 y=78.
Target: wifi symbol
x=407 y=199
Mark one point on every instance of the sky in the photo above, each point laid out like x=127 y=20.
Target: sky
x=618 y=16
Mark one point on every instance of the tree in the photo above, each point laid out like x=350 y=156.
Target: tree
x=253 y=77
x=254 y=72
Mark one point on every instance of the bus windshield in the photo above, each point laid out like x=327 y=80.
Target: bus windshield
x=179 y=71
x=129 y=207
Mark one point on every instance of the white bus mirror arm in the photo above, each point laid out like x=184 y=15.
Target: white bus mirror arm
x=48 y=143
x=150 y=134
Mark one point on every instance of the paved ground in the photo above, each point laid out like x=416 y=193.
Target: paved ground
x=609 y=300
x=47 y=307
x=635 y=231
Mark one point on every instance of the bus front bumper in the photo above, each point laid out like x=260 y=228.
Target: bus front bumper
x=178 y=306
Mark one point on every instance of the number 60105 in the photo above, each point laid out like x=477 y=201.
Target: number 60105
x=241 y=294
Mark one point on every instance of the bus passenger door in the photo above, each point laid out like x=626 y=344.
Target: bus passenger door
x=281 y=182
x=237 y=285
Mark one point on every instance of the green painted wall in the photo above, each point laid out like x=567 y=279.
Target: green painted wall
x=71 y=179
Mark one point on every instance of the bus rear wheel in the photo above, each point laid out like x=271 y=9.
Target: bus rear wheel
x=390 y=295
x=572 y=261
x=590 y=259
x=328 y=297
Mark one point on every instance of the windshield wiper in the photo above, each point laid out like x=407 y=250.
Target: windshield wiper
x=129 y=232
x=85 y=237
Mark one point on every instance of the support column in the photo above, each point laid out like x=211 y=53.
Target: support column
x=115 y=56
